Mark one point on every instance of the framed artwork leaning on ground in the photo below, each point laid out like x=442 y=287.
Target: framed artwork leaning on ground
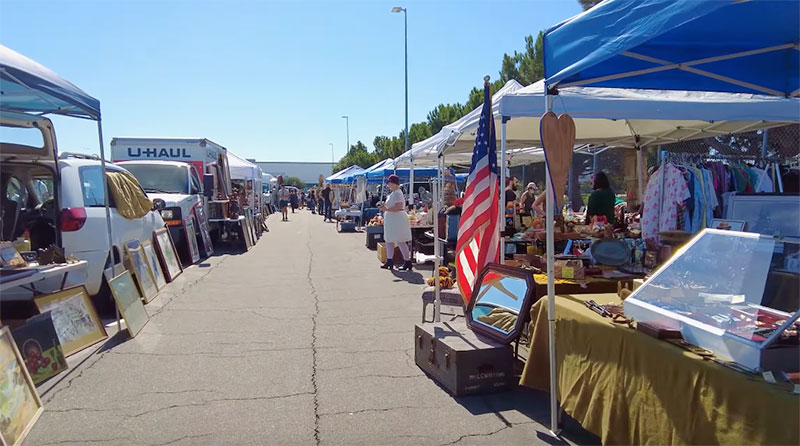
x=130 y=306
x=140 y=269
x=74 y=318
x=20 y=405
x=155 y=266
x=167 y=254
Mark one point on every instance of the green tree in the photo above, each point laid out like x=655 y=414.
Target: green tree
x=357 y=155
x=588 y=4
x=526 y=67
x=294 y=181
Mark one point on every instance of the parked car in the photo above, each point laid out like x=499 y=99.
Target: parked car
x=61 y=201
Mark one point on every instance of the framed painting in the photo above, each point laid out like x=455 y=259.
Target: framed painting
x=128 y=302
x=9 y=256
x=248 y=241
x=155 y=267
x=166 y=254
x=191 y=240
x=20 y=405
x=37 y=342
x=74 y=318
x=202 y=222
x=252 y=219
x=140 y=269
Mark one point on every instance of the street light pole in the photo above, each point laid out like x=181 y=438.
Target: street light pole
x=347 y=118
x=333 y=160
x=397 y=9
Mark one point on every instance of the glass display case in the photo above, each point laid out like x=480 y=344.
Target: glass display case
x=736 y=294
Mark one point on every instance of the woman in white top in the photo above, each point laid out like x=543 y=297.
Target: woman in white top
x=396 y=228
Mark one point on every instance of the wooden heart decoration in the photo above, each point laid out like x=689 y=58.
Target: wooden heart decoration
x=558 y=139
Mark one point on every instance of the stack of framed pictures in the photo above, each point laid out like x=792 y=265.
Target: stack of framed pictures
x=247 y=237
x=155 y=266
x=166 y=254
x=38 y=344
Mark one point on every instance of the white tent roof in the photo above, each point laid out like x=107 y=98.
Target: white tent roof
x=241 y=169
x=425 y=152
x=663 y=116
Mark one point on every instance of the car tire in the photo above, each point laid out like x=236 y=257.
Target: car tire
x=103 y=301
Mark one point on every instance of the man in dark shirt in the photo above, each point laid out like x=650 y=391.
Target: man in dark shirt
x=326 y=197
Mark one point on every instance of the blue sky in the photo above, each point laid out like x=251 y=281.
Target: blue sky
x=267 y=79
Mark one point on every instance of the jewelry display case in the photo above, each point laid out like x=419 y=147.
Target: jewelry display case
x=736 y=294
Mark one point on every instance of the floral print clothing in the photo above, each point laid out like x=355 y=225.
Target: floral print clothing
x=675 y=191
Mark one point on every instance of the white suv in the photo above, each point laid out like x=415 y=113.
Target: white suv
x=62 y=201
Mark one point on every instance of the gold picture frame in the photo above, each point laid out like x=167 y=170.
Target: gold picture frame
x=140 y=270
x=74 y=318
x=167 y=254
x=130 y=305
x=21 y=406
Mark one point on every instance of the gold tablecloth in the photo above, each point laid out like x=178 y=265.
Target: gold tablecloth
x=629 y=388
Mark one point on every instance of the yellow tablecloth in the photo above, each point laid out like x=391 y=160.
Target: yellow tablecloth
x=629 y=388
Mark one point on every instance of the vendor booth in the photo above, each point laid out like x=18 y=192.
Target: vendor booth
x=246 y=179
x=718 y=82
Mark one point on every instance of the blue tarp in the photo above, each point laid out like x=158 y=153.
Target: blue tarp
x=343 y=175
x=638 y=44
x=28 y=86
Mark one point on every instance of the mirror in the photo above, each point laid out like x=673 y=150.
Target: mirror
x=159 y=204
x=499 y=301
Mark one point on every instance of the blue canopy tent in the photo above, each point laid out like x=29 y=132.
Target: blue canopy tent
x=343 y=175
x=29 y=87
x=380 y=174
x=696 y=45
x=702 y=45
x=379 y=166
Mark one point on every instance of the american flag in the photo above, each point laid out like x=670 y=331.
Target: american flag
x=478 y=230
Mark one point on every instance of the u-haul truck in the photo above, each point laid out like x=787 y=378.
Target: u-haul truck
x=187 y=173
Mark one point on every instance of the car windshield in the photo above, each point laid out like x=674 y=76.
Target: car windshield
x=160 y=178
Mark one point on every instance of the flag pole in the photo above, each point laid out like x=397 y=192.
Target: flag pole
x=550 y=198
x=501 y=217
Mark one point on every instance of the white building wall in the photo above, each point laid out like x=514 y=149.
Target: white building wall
x=308 y=172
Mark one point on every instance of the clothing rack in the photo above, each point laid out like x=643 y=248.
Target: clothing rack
x=695 y=158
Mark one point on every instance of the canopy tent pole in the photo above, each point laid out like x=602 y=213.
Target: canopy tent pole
x=436 y=248
x=411 y=182
x=640 y=179
x=502 y=192
x=108 y=209
x=551 y=298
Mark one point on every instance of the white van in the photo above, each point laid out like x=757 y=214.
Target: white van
x=61 y=200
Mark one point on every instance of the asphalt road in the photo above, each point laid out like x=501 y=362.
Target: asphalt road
x=301 y=340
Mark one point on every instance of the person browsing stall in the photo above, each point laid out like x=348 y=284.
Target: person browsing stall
x=528 y=198
x=327 y=196
x=602 y=200
x=396 y=228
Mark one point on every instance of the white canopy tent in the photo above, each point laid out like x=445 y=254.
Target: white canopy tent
x=241 y=169
x=425 y=153
x=663 y=116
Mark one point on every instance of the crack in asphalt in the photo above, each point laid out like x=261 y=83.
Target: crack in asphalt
x=186 y=286
x=314 y=317
x=185 y=437
x=99 y=440
x=57 y=390
x=216 y=400
x=387 y=409
x=508 y=425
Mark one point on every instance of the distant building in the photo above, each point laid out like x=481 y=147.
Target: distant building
x=308 y=172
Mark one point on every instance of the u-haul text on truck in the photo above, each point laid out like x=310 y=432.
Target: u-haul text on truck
x=187 y=173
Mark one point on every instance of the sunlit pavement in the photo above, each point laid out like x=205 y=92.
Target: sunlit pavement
x=302 y=340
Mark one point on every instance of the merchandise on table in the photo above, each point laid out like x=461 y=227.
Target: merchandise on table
x=735 y=294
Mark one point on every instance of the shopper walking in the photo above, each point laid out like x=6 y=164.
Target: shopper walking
x=293 y=200
x=327 y=196
x=396 y=228
x=283 y=199
x=602 y=200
